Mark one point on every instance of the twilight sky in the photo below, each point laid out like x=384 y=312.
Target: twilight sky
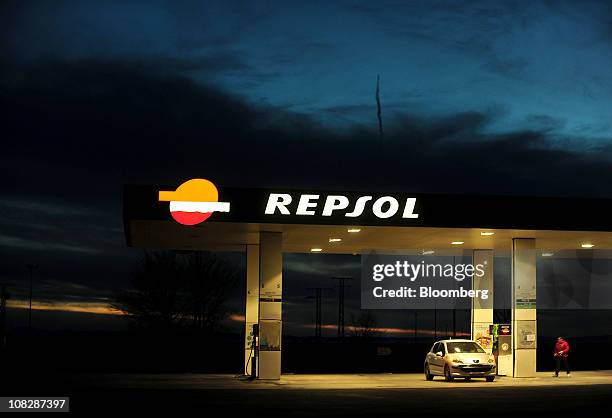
x=487 y=97
x=536 y=65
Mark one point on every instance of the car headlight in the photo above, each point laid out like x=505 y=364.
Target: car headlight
x=491 y=360
x=456 y=360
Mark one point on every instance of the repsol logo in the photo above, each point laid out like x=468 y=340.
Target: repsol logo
x=339 y=205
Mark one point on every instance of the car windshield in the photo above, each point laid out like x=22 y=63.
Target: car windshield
x=464 y=347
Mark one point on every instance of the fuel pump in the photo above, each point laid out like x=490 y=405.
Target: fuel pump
x=502 y=348
x=255 y=352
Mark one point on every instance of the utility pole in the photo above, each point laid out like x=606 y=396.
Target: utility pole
x=31 y=268
x=341 y=287
x=317 y=297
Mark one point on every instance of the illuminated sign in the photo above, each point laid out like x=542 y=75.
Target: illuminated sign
x=383 y=207
x=194 y=201
x=356 y=209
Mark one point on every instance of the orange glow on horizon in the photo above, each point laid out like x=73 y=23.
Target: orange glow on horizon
x=381 y=330
x=98 y=308
x=79 y=307
x=237 y=317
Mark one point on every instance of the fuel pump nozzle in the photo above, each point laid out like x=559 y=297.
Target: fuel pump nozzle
x=255 y=350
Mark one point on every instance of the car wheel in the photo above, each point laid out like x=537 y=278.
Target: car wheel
x=428 y=375
x=490 y=378
x=447 y=374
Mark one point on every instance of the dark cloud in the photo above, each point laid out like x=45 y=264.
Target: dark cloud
x=469 y=27
x=309 y=50
x=544 y=122
x=76 y=131
x=84 y=128
x=226 y=62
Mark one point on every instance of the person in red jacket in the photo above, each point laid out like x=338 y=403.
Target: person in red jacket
x=561 y=354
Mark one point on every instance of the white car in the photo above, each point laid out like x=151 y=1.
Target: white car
x=459 y=358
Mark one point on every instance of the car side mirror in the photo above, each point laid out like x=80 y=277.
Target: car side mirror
x=439 y=354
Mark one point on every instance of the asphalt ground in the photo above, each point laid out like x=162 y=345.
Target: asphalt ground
x=584 y=394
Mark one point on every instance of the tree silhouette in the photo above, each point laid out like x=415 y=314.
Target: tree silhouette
x=208 y=281
x=172 y=290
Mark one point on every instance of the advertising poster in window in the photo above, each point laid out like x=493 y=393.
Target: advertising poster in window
x=269 y=335
x=483 y=336
x=526 y=334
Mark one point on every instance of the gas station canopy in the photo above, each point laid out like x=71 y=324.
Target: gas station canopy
x=265 y=223
x=310 y=218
